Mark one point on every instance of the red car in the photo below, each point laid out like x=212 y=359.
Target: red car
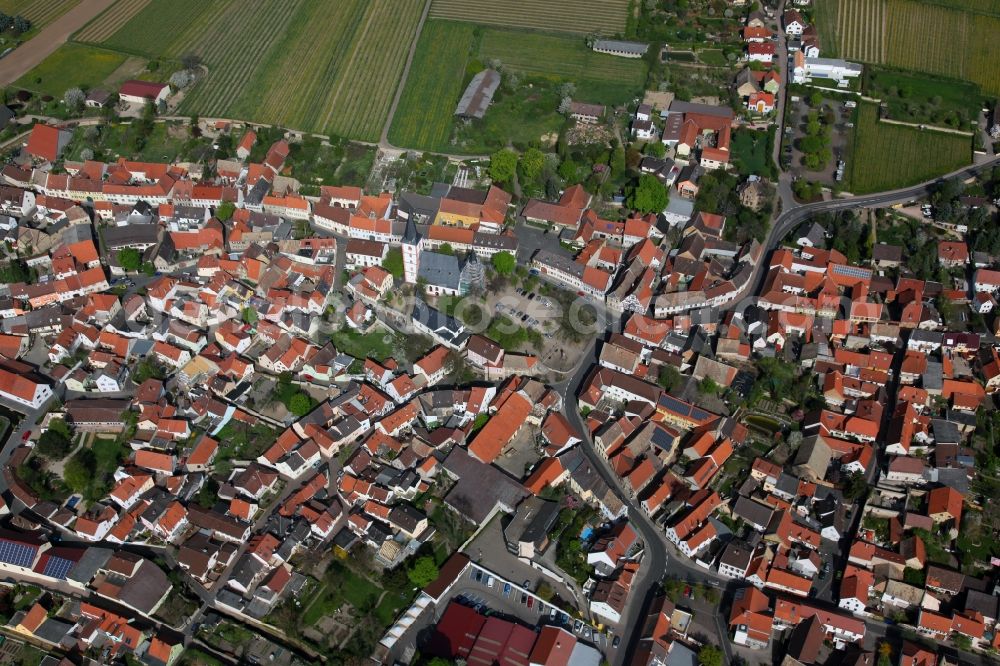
x=26 y=436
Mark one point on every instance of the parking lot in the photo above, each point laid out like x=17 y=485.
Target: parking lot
x=533 y=310
x=528 y=309
x=488 y=593
x=840 y=137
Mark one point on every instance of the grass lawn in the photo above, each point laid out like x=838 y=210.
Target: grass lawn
x=357 y=165
x=914 y=155
x=389 y=608
x=752 y=152
x=71 y=65
x=339 y=585
x=561 y=57
x=237 y=440
x=195 y=657
x=378 y=344
x=108 y=453
x=924 y=99
x=520 y=117
x=713 y=57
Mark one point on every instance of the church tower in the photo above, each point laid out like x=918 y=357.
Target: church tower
x=413 y=245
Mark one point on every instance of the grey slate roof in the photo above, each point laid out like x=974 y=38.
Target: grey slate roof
x=478 y=94
x=439 y=270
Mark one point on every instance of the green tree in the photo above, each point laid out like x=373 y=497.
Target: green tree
x=225 y=211
x=53 y=445
x=393 y=263
x=855 y=486
x=532 y=163
x=299 y=404
x=130 y=259
x=884 y=654
x=709 y=655
x=708 y=386
x=438 y=661
x=79 y=470
x=568 y=170
x=655 y=148
x=669 y=378
x=423 y=571
x=504 y=263
x=503 y=165
x=648 y=196
x=618 y=160
x=446 y=248
x=250 y=316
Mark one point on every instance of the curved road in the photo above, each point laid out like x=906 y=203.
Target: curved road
x=793 y=217
x=656 y=557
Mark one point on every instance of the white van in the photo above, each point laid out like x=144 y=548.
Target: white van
x=489 y=582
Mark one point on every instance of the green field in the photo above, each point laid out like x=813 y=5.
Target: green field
x=71 y=65
x=584 y=16
x=886 y=156
x=924 y=99
x=329 y=67
x=449 y=53
x=424 y=117
x=598 y=77
x=951 y=38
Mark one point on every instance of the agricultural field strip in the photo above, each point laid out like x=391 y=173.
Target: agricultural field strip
x=607 y=16
x=286 y=74
x=924 y=153
x=424 y=116
x=209 y=28
x=230 y=66
x=113 y=18
x=943 y=38
x=14 y=6
x=362 y=37
x=174 y=20
x=307 y=111
x=371 y=86
x=42 y=12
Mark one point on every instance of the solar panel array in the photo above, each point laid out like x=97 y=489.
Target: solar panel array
x=17 y=554
x=58 y=567
x=852 y=271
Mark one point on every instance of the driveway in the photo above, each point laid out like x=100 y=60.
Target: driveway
x=531 y=238
x=48 y=39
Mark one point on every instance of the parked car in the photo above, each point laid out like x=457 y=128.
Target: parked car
x=616 y=642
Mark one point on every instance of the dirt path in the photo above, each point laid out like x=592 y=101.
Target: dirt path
x=51 y=37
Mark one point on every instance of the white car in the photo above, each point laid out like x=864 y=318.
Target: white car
x=489 y=582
